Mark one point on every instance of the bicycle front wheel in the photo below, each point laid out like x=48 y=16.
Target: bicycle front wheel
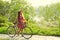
x=27 y=33
x=11 y=31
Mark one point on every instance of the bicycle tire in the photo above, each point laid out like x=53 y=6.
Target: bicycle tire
x=11 y=31
x=29 y=34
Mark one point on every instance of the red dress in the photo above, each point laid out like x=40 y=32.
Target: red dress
x=20 y=22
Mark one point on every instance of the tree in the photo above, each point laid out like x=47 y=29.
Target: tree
x=11 y=9
x=51 y=13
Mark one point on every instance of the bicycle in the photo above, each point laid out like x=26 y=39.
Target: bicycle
x=26 y=33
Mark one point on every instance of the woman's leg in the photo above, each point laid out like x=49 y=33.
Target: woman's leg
x=18 y=31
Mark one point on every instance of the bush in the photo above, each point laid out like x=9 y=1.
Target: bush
x=4 y=22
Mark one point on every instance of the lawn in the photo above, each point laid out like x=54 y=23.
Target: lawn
x=54 y=31
x=4 y=39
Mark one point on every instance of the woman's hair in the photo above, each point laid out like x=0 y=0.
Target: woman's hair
x=20 y=12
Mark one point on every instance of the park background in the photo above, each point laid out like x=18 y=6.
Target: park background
x=43 y=20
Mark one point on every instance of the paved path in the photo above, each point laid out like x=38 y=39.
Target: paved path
x=34 y=37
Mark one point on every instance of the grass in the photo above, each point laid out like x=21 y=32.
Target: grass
x=54 y=31
x=3 y=30
x=4 y=39
x=50 y=31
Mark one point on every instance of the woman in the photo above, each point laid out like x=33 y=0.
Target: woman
x=21 y=22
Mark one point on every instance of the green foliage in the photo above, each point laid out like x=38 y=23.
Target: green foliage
x=8 y=11
x=3 y=13
x=3 y=21
x=50 y=13
x=4 y=38
x=52 y=31
x=16 y=5
x=3 y=30
x=4 y=8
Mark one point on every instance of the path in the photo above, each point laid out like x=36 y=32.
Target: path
x=34 y=37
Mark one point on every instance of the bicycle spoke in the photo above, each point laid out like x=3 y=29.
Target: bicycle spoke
x=27 y=33
x=11 y=31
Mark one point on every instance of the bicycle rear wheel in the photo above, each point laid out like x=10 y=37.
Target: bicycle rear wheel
x=11 y=31
x=27 y=33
